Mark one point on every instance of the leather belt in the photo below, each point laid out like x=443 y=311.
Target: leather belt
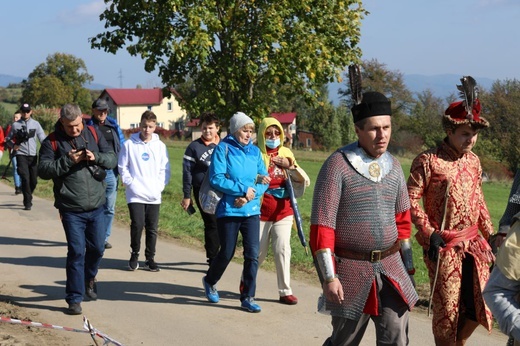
x=371 y=256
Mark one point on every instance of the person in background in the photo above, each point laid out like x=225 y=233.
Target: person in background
x=499 y=281
x=2 y=142
x=512 y=207
x=195 y=164
x=502 y=291
x=145 y=170
x=16 y=177
x=22 y=139
x=114 y=136
x=361 y=214
x=70 y=156
x=453 y=224
x=237 y=169
x=277 y=216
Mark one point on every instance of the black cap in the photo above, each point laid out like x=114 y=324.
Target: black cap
x=25 y=108
x=100 y=104
x=372 y=104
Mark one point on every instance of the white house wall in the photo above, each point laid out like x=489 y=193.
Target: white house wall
x=131 y=114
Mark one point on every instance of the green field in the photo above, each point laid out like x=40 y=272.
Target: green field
x=176 y=223
x=10 y=107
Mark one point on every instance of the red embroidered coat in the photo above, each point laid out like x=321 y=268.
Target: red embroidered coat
x=451 y=187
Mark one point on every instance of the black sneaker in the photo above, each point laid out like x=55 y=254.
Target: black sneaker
x=17 y=191
x=73 y=309
x=91 y=289
x=132 y=263
x=151 y=265
x=108 y=245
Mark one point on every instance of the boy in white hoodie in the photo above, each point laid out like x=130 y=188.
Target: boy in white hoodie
x=145 y=170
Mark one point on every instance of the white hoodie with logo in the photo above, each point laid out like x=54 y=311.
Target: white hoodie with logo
x=144 y=169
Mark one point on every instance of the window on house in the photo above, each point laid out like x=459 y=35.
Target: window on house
x=309 y=143
x=160 y=125
x=170 y=106
x=134 y=125
x=149 y=108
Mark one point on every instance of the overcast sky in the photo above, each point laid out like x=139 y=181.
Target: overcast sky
x=464 y=37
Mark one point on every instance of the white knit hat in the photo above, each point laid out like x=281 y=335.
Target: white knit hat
x=238 y=120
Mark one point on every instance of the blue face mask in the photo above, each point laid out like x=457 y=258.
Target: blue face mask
x=272 y=143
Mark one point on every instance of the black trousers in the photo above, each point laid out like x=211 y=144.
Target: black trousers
x=144 y=216
x=28 y=172
x=211 y=239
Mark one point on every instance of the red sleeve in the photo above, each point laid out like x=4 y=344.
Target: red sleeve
x=404 y=225
x=321 y=237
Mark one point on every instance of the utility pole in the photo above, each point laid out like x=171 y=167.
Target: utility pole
x=120 y=76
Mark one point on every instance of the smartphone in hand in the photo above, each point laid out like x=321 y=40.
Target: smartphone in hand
x=191 y=210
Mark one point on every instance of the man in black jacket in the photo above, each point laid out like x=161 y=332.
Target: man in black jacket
x=75 y=157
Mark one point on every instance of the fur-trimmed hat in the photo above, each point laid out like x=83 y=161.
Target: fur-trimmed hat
x=466 y=111
x=372 y=104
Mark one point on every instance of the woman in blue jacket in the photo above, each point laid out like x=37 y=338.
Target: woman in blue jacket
x=237 y=169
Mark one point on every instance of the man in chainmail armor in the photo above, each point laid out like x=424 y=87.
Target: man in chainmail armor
x=360 y=230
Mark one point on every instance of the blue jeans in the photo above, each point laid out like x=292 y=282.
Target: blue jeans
x=110 y=204
x=16 y=176
x=85 y=232
x=228 y=228
x=500 y=295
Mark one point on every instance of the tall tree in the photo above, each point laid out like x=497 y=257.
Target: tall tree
x=426 y=122
x=501 y=106
x=376 y=77
x=233 y=49
x=60 y=79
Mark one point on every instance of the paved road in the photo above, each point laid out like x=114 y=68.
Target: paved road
x=164 y=308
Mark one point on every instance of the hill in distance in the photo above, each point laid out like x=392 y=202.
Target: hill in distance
x=5 y=80
x=442 y=85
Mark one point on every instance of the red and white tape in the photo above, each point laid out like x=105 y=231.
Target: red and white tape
x=86 y=325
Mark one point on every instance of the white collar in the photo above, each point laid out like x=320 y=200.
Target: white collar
x=369 y=167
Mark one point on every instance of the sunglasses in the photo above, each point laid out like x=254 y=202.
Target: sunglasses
x=272 y=133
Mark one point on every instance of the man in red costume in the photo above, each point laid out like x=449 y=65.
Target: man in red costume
x=448 y=179
x=360 y=223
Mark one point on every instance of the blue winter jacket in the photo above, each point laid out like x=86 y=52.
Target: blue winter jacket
x=234 y=168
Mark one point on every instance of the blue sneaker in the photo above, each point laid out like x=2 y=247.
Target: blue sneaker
x=211 y=291
x=250 y=305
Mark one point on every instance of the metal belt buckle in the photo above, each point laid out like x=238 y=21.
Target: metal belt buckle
x=375 y=256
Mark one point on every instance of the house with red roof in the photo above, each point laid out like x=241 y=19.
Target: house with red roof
x=127 y=106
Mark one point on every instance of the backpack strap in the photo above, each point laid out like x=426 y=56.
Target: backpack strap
x=54 y=145
x=52 y=139
x=93 y=131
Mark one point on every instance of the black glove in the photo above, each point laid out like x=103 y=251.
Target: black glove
x=436 y=241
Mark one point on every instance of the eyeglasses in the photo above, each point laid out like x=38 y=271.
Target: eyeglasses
x=272 y=133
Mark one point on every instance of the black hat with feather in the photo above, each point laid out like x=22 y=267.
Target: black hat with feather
x=368 y=104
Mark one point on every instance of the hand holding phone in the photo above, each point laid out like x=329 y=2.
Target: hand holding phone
x=190 y=210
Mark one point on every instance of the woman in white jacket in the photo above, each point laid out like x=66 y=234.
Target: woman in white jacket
x=145 y=170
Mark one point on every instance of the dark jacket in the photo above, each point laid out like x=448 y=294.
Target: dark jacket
x=117 y=134
x=195 y=163
x=75 y=189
